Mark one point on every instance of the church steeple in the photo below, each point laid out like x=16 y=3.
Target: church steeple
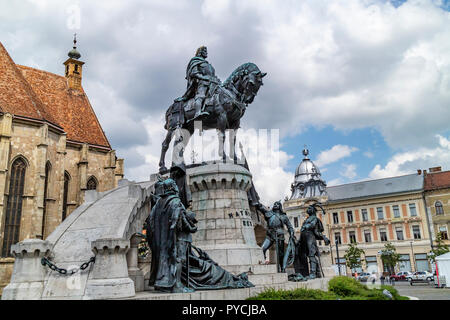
x=74 y=67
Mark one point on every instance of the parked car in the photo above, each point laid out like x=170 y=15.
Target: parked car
x=401 y=276
x=363 y=276
x=420 y=276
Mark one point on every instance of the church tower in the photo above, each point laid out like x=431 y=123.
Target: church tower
x=74 y=67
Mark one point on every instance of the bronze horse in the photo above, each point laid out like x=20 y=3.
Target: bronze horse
x=226 y=104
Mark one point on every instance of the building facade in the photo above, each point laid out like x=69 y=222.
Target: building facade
x=52 y=149
x=375 y=212
x=437 y=199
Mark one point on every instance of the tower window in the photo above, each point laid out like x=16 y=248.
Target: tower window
x=13 y=206
x=76 y=69
x=44 y=214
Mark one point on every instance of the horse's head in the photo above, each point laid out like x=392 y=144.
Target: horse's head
x=246 y=79
x=251 y=84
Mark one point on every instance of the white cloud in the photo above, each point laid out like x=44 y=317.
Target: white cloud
x=334 y=154
x=349 y=171
x=349 y=64
x=408 y=162
x=369 y=154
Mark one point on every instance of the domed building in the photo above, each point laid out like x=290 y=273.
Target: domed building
x=308 y=181
x=308 y=187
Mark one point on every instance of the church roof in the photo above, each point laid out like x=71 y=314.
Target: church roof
x=42 y=95
x=378 y=187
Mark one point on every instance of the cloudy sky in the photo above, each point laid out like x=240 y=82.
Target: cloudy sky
x=364 y=84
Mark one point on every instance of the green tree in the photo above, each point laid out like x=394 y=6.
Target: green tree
x=439 y=248
x=389 y=256
x=353 y=256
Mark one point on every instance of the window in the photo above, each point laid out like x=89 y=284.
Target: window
x=412 y=209
x=296 y=222
x=337 y=238
x=350 y=216
x=399 y=232
x=443 y=232
x=367 y=236
x=383 y=235
x=92 y=183
x=422 y=262
x=65 y=195
x=416 y=232
x=67 y=70
x=14 y=206
x=439 y=207
x=48 y=167
x=352 y=236
x=335 y=218
x=76 y=69
x=364 y=215
x=396 y=211
x=380 y=213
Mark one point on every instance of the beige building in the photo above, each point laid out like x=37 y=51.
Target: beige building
x=375 y=212
x=370 y=213
x=437 y=199
x=52 y=149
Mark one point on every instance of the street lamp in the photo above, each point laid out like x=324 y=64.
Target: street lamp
x=414 y=259
x=337 y=254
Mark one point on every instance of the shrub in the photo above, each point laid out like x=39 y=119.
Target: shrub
x=296 y=294
x=345 y=286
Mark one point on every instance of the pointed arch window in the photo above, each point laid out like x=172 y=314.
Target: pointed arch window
x=92 y=183
x=439 y=207
x=14 y=206
x=65 y=194
x=48 y=168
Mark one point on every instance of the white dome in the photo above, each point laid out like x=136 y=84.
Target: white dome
x=307 y=170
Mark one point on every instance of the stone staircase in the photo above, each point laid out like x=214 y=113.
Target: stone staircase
x=260 y=274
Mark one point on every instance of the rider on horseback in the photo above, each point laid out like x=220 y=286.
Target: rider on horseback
x=201 y=79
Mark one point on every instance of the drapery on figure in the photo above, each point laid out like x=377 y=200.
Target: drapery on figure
x=276 y=220
x=175 y=266
x=307 y=249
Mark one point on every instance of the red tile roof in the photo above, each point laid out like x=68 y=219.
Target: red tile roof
x=42 y=95
x=437 y=180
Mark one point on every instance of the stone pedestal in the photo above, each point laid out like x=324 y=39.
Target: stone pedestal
x=109 y=278
x=225 y=228
x=134 y=272
x=27 y=281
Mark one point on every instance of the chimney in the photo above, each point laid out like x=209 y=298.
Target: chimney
x=424 y=172
x=419 y=172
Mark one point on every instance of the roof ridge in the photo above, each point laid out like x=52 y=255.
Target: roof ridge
x=345 y=184
x=40 y=70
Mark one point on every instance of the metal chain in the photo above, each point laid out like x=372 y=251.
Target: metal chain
x=52 y=266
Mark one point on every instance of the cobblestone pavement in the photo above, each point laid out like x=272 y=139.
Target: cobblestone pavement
x=423 y=291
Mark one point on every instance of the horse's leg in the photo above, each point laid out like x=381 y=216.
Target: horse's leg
x=182 y=137
x=232 y=134
x=164 y=148
x=221 y=125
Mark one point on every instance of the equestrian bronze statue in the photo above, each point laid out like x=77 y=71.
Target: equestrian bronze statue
x=217 y=105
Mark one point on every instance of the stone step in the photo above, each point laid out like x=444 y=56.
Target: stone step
x=252 y=269
x=268 y=279
x=229 y=294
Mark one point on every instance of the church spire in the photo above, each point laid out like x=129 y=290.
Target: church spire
x=74 y=67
